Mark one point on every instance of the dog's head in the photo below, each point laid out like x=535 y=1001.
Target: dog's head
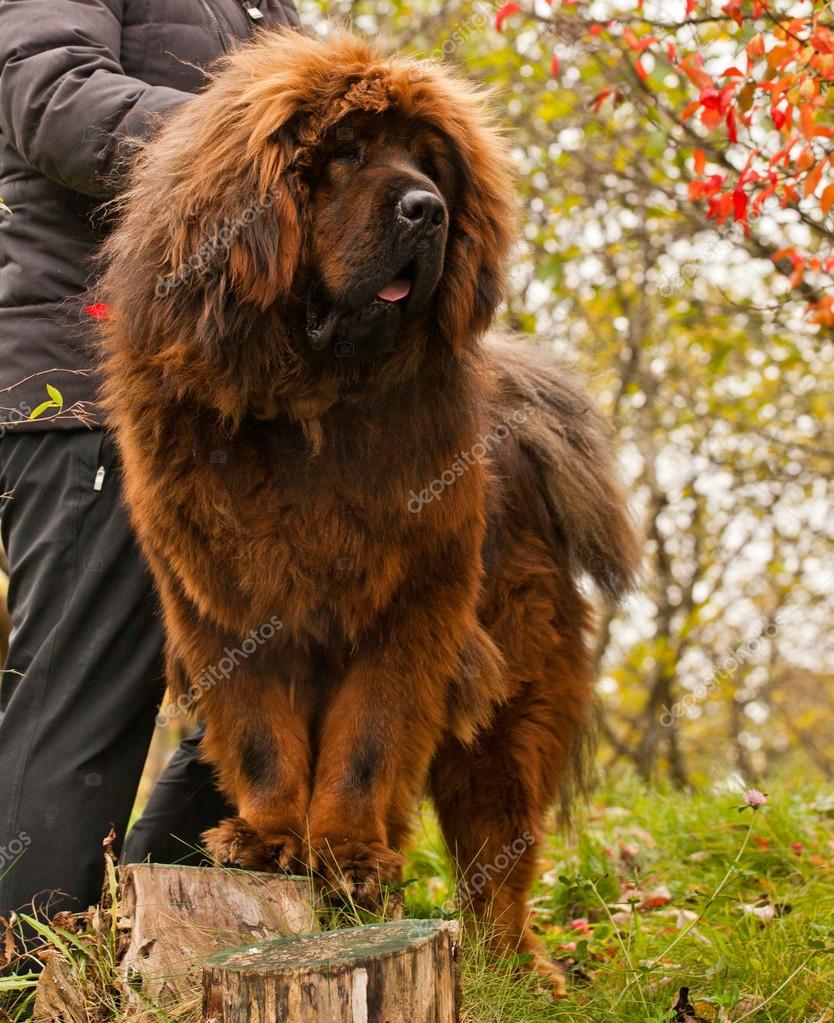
x=319 y=210
x=380 y=201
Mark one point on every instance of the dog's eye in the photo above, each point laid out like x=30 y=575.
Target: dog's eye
x=354 y=155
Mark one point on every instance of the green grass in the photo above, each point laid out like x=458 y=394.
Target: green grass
x=662 y=880
x=654 y=895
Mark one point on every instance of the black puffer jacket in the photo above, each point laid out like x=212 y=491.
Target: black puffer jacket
x=78 y=79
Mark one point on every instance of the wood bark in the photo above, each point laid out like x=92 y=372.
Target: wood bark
x=403 y=971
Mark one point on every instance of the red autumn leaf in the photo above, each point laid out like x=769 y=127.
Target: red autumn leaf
x=692 y=67
x=600 y=98
x=720 y=207
x=690 y=7
x=789 y=195
x=654 y=901
x=638 y=45
x=733 y=8
x=805 y=160
x=806 y=121
x=740 y=200
x=827 y=200
x=763 y=196
x=505 y=12
x=640 y=69
x=786 y=253
x=554 y=65
x=98 y=311
x=700 y=160
x=813 y=179
x=707 y=188
x=731 y=125
x=711 y=118
x=823 y=40
x=756 y=47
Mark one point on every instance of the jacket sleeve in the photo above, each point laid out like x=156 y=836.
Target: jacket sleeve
x=66 y=104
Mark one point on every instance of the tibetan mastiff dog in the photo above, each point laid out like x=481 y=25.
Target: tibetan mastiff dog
x=318 y=438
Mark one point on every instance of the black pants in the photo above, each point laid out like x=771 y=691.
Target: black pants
x=82 y=683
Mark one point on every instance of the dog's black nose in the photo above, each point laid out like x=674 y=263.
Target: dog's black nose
x=422 y=208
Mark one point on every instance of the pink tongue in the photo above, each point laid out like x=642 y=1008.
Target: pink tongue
x=396 y=290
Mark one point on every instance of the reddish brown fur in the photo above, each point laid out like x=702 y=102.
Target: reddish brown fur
x=442 y=648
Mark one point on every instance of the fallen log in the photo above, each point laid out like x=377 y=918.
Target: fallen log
x=404 y=971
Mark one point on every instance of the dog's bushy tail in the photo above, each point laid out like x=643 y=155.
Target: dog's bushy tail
x=570 y=444
x=568 y=448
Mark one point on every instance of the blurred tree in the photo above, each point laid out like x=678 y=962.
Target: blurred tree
x=746 y=84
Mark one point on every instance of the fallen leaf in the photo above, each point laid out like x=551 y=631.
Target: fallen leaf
x=766 y=911
x=7 y=954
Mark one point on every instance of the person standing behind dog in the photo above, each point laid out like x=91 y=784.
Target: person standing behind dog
x=78 y=80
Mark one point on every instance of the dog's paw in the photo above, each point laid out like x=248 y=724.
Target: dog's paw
x=551 y=974
x=236 y=843
x=354 y=869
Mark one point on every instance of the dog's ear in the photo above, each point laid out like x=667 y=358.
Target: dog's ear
x=264 y=253
x=207 y=246
x=237 y=226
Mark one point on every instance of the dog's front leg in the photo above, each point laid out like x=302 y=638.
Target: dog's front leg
x=257 y=740
x=377 y=741
x=258 y=743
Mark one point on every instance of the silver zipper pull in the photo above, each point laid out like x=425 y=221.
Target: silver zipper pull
x=251 y=10
x=99 y=480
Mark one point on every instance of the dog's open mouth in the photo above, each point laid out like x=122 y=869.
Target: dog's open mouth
x=400 y=287
x=373 y=309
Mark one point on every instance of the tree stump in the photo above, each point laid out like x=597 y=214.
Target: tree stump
x=403 y=971
x=176 y=916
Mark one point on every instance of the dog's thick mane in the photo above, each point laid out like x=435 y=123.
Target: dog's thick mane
x=225 y=179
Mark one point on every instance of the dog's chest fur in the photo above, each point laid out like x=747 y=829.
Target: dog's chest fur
x=328 y=541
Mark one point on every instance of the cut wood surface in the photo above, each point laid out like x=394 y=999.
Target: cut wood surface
x=403 y=971
x=176 y=916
